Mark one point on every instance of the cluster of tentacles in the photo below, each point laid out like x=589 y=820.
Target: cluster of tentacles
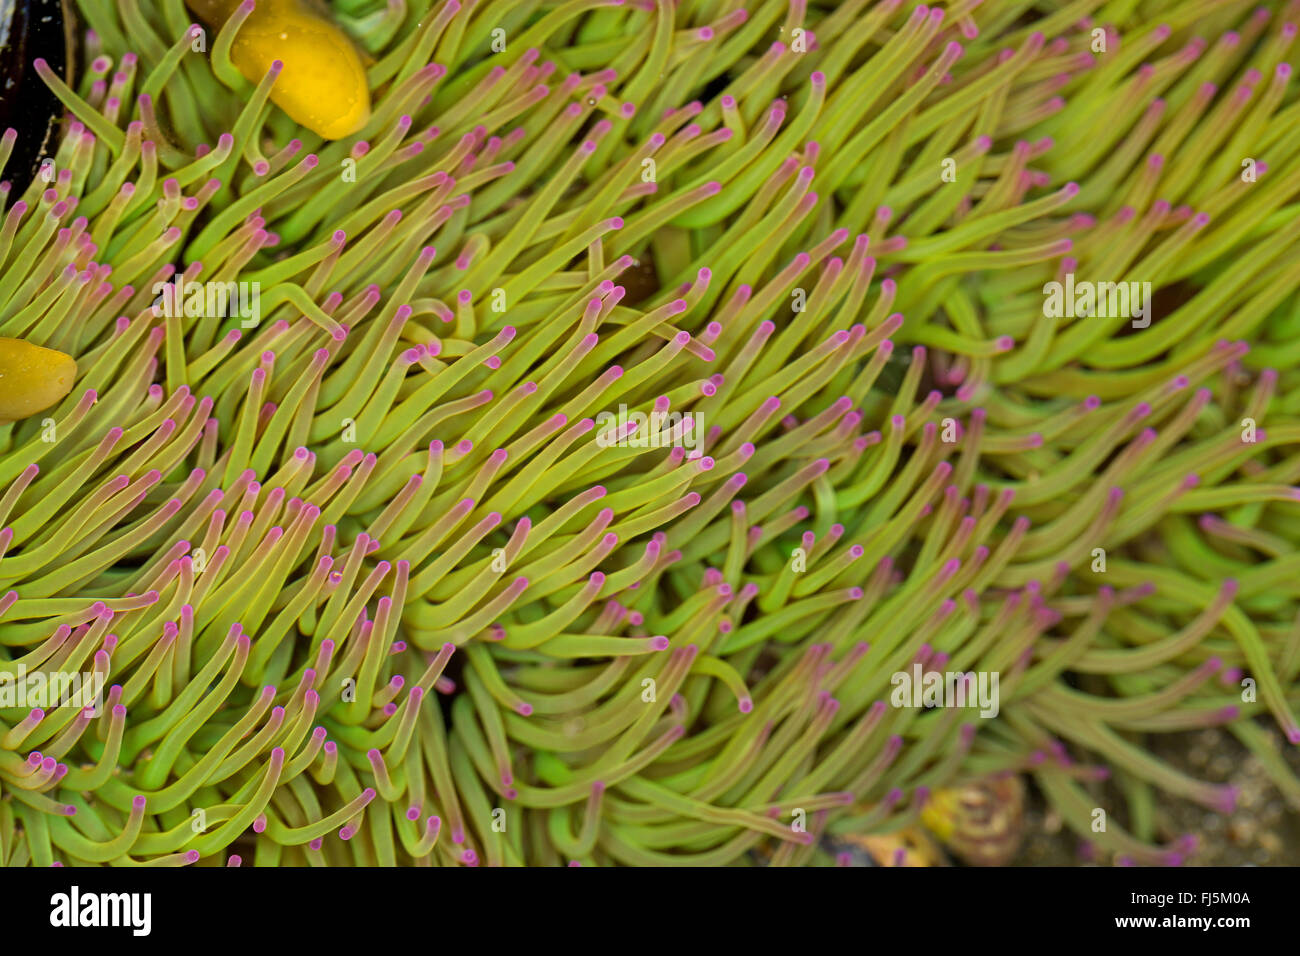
x=367 y=584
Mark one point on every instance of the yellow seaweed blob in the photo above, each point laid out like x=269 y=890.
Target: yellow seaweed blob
x=32 y=378
x=322 y=83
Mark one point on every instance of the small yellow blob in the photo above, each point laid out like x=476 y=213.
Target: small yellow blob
x=322 y=82
x=981 y=822
x=32 y=378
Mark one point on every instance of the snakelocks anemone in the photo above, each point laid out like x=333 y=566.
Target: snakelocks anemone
x=647 y=432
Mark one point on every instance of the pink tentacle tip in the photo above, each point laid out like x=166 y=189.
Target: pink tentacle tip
x=1226 y=798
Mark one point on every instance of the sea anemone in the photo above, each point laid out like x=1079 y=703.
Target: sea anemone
x=582 y=453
